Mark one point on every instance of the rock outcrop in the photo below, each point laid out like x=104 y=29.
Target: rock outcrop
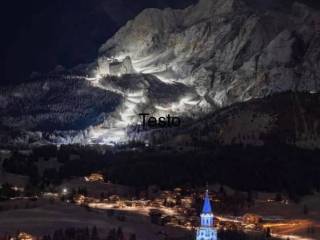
x=226 y=49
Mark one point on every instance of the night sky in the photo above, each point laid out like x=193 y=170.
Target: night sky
x=38 y=35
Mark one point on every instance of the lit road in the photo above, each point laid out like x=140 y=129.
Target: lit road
x=290 y=229
x=284 y=230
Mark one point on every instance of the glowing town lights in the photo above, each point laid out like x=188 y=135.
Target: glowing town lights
x=64 y=191
x=291 y=237
x=94 y=177
x=25 y=236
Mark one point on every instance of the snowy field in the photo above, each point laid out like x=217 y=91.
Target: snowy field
x=49 y=217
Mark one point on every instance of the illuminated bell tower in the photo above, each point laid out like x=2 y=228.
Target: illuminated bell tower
x=206 y=231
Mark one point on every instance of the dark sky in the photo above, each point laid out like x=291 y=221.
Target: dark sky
x=37 y=35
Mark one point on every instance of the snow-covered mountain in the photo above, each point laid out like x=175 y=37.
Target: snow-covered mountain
x=189 y=62
x=228 y=50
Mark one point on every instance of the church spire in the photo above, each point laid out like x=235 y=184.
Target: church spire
x=206 y=204
x=206 y=231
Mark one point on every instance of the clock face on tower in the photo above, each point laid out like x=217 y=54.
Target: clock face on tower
x=206 y=231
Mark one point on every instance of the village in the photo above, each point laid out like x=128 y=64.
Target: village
x=174 y=213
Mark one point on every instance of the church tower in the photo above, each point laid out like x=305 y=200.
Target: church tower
x=206 y=231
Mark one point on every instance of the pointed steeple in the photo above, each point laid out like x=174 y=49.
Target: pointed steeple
x=207 y=205
x=206 y=231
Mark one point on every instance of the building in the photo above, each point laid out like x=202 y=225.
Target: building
x=251 y=218
x=94 y=177
x=25 y=236
x=206 y=231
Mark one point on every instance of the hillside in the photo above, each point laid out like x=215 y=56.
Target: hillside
x=227 y=50
x=188 y=62
x=286 y=118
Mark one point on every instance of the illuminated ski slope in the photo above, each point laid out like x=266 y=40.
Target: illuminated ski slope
x=114 y=128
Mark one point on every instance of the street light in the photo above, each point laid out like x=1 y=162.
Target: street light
x=64 y=191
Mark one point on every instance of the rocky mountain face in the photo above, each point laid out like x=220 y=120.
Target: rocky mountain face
x=228 y=50
x=200 y=60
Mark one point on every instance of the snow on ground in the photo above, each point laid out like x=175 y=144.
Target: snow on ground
x=45 y=219
x=298 y=222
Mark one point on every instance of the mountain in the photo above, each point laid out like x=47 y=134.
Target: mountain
x=191 y=62
x=226 y=49
x=285 y=118
x=41 y=110
x=74 y=109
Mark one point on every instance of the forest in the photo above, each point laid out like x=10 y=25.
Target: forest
x=286 y=169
